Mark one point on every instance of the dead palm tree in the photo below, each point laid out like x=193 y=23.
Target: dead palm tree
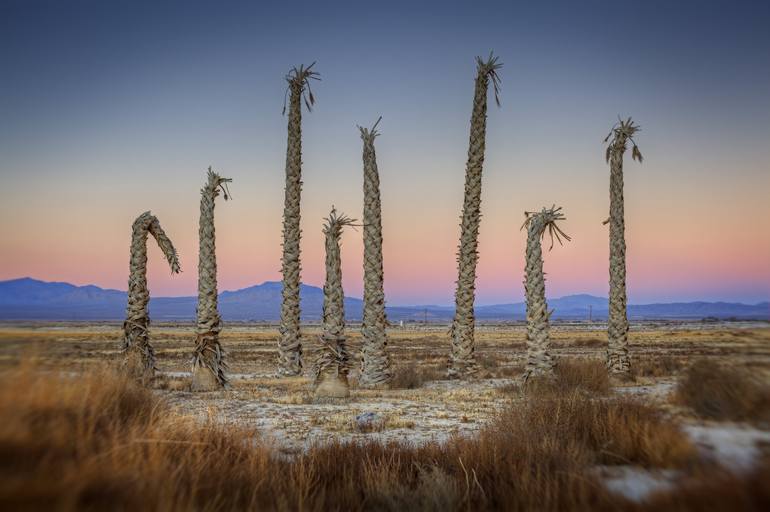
x=539 y=360
x=333 y=360
x=618 y=360
x=462 y=361
x=375 y=363
x=208 y=369
x=289 y=343
x=139 y=356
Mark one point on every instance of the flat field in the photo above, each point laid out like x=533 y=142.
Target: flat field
x=424 y=406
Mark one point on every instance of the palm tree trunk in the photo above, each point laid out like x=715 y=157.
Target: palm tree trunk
x=618 y=361
x=462 y=361
x=375 y=362
x=539 y=360
x=333 y=361
x=290 y=342
x=139 y=356
x=208 y=369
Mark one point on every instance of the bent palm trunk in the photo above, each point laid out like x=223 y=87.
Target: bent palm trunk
x=375 y=363
x=462 y=360
x=333 y=361
x=208 y=369
x=289 y=342
x=539 y=360
x=139 y=356
x=618 y=359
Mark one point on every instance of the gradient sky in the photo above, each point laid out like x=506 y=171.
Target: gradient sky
x=108 y=109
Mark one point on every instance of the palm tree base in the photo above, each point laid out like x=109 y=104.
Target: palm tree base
x=462 y=369
x=382 y=386
x=204 y=380
x=134 y=364
x=332 y=386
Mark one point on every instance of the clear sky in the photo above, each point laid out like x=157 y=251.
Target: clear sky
x=108 y=109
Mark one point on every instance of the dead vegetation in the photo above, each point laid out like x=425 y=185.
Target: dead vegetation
x=723 y=392
x=587 y=376
x=101 y=442
x=414 y=375
x=658 y=366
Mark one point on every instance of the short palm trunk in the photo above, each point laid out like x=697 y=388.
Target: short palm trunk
x=540 y=362
x=333 y=361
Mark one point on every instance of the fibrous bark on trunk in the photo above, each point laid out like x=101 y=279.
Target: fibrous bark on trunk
x=289 y=342
x=618 y=360
x=139 y=356
x=208 y=368
x=539 y=360
x=333 y=360
x=375 y=362
x=462 y=361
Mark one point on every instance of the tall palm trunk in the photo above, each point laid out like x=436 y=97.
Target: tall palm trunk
x=618 y=360
x=333 y=361
x=208 y=370
x=139 y=356
x=462 y=361
x=289 y=342
x=539 y=360
x=375 y=363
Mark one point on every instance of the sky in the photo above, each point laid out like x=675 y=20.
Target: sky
x=109 y=109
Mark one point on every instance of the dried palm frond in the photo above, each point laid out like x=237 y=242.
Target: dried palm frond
x=548 y=217
x=299 y=78
x=489 y=68
x=621 y=132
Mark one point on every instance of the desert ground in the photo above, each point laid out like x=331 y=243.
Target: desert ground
x=423 y=407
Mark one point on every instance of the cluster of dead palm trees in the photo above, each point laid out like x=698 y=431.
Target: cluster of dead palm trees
x=332 y=358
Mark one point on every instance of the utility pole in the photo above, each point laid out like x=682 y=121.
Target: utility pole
x=590 y=314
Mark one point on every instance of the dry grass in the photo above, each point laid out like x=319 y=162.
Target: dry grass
x=722 y=392
x=413 y=376
x=716 y=489
x=582 y=375
x=656 y=366
x=100 y=442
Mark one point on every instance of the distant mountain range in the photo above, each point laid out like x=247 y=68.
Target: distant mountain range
x=31 y=299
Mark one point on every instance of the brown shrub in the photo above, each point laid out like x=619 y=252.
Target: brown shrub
x=721 y=392
x=652 y=366
x=618 y=430
x=718 y=489
x=583 y=375
x=413 y=376
x=586 y=343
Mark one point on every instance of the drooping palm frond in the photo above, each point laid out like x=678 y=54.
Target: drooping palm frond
x=217 y=183
x=334 y=223
x=621 y=132
x=546 y=220
x=489 y=67
x=300 y=78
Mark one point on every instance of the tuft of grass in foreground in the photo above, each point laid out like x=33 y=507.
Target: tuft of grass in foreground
x=99 y=442
x=721 y=392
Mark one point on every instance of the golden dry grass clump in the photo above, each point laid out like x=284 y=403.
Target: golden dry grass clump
x=722 y=392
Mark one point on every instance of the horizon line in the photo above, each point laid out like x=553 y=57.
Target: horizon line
x=760 y=303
